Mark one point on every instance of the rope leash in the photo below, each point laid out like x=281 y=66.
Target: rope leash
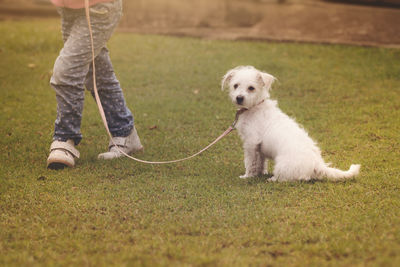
x=104 y=119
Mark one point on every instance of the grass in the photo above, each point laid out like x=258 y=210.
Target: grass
x=199 y=212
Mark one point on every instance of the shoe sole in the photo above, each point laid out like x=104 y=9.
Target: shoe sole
x=56 y=166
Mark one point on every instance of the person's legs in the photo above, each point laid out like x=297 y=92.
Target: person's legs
x=119 y=117
x=67 y=21
x=74 y=61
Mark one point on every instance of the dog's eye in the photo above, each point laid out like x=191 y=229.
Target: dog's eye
x=251 y=88
x=236 y=86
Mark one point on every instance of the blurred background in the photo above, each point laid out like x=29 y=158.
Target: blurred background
x=360 y=22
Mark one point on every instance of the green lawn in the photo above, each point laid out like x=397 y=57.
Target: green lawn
x=199 y=212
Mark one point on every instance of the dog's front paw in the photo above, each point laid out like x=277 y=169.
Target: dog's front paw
x=247 y=175
x=272 y=179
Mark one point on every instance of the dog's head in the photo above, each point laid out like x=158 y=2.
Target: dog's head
x=247 y=85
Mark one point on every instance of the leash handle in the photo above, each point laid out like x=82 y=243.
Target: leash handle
x=104 y=119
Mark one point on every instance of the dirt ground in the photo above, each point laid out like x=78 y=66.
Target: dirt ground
x=314 y=21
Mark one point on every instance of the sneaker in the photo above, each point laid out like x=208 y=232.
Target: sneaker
x=62 y=154
x=128 y=145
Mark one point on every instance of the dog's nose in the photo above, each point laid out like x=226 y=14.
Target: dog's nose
x=239 y=99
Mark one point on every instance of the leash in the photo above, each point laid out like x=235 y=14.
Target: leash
x=104 y=119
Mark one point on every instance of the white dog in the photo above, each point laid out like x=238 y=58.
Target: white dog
x=268 y=133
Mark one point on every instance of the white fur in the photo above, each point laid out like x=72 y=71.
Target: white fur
x=268 y=133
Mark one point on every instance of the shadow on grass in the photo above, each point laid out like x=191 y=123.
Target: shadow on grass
x=258 y=179
x=266 y=179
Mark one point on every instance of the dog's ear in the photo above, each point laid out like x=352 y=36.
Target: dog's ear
x=267 y=79
x=227 y=78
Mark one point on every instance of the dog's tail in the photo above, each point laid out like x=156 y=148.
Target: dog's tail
x=339 y=175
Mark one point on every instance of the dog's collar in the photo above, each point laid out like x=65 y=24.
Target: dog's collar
x=238 y=113
x=260 y=102
x=241 y=111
